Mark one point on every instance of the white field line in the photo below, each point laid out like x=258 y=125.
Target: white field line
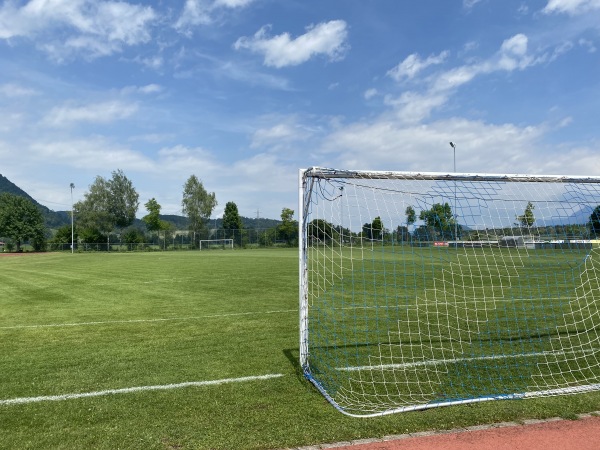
x=436 y=362
x=167 y=319
x=160 y=387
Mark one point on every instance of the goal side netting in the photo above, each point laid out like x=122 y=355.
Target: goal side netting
x=427 y=289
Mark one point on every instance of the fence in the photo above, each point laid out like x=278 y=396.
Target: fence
x=183 y=240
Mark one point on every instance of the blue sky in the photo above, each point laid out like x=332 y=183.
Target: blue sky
x=243 y=93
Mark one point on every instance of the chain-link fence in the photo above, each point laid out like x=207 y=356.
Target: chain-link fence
x=184 y=240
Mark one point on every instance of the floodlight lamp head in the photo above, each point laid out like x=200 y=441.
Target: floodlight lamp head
x=452 y=145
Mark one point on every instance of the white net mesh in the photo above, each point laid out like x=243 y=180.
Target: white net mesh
x=427 y=290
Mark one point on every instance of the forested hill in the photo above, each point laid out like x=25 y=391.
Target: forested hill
x=8 y=186
x=181 y=222
x=52 y=219
x=56 y=219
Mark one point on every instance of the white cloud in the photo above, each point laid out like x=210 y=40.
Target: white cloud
x=468 y=4
x=91 y=153
x=182 y=159
x=589 y=45
x=78 y=26
x=15 y=90
x=195 y=12
x=105 y=112
x=370 y=93
x=232 y=3
x=386 y=144
x=413 y=65
x=572 y=7
x=328 y=38
x=416 y=106
x=279 y=135
x=201 y=12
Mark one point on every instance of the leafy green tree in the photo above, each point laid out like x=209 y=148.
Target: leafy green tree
x=288 y=229
x=321 y=230
x=374 y=230
x=402 y=234
x=132 y=236
x=123 y=199
x=152 y=219
x=232 y=222
x=197 y=205
x=527 y=219
x=594 y=222
x=439 y=220
x=108 y=204
x=21 y=220
x=63 y=235
x=411 y=216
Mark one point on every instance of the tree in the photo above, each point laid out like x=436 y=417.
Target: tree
x=411 y=216
x=108 y=203
x=374 y=230
x=440 y=220
x=152 y=219
x=232 y=222
x=402 y=234
x=197 y=205
x=527 y=219
x=63 y=235
x=594 y=222
x=123 y=199
x=288 y=229
x=321 y=230
x=21 y=220
x=133 y=236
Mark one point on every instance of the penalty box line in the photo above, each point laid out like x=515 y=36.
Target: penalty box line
x=161 y=387
x=166 y=319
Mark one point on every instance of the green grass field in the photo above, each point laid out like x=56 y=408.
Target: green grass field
x=102 y=323
x=408 y=327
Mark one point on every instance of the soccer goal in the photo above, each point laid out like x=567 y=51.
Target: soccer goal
x=426 y=289
x=214 y=244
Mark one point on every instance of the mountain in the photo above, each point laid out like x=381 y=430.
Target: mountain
x=52 y=219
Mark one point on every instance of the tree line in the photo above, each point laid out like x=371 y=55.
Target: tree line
x=110 y=206
x=439 y=223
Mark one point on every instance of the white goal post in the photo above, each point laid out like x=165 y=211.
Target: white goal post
x=420 y=290
x=207 y=244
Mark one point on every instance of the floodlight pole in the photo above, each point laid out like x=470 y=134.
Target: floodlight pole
x=453 y=145
x=72 y=215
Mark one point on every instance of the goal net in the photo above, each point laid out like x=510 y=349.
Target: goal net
x=424 y=289
x=214 y=244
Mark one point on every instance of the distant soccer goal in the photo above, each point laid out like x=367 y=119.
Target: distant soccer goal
x=420 y=290
x=216 y=244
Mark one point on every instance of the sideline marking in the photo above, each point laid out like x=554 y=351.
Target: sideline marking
x=108 y=322
x=160 y=387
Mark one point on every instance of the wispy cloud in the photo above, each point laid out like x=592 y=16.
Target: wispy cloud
x=413 y=65
x=412 y=106
x=280 y=135
x=327 y=38
x=15 y=90
x=201 y=12
x=572 y=7
x=105 y=112
x=77 y=26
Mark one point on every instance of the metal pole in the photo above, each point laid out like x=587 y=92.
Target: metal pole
x=72 y=215
x=453 y=145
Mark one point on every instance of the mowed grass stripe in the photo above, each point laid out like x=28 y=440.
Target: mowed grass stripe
x=133 y=321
